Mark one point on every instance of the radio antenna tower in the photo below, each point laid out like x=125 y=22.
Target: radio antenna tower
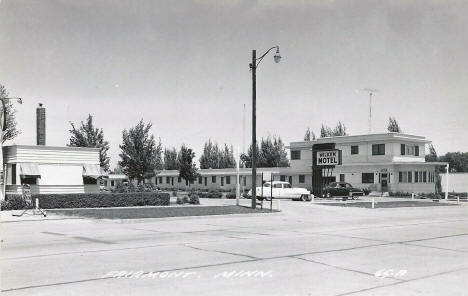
x=371 y=91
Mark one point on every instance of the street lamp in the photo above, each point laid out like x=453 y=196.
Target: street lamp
x=253 y=67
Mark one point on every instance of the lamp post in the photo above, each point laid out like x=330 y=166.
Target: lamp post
x=3 y=120
x=253 y=67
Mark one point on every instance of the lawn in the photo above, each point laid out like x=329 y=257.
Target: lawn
x=157 y=212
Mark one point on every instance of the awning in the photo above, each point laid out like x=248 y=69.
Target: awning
x=29 y=169
x=91 y=170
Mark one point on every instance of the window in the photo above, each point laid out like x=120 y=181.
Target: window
x=410 y=177
x=179 y=179
x=160 y=180
x=206 y=181
x=32 y=180
x=245 y=181
x=424 y=177
x=222 y=181
x=13 y=174
x=354 y=149
x=283 y=178
x=200 y=180
x=403 y=149
x=301 y=179
x=168 y=180
x=112 y=183
x=416 y=177
x=290 y=180
x=342 y=176
x=378 y=149
x=416 y=150
x=403 y=177
x=89 y=180
x=367 y=178
x=228 y=180
x=213 y=179
x=295 y=154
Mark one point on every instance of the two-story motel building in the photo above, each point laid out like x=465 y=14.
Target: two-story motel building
x=388 y=162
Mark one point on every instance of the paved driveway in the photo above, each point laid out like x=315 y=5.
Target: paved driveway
x=308 y=249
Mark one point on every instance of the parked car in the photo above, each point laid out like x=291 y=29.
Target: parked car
x=280 y=189
x=341 y=189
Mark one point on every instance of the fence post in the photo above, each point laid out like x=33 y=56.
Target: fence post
x=279 y=205
x=412 y=196
x=373 y=202
x=313 y=197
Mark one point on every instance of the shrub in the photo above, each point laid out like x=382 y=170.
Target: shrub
x=186 y=199
x=96 y=200
x=214 y=194
x=174 y=193
x=180 y=200
x=194 y=199
x=231 y=195
x=13 y=202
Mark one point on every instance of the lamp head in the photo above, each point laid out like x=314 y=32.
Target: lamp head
x=19 y=100
x=277 y=56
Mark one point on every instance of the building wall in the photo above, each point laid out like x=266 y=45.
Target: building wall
x=458 y=182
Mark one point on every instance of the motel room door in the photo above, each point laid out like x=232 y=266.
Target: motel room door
x=384 y=182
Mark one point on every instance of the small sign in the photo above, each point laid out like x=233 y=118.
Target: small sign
x=328 y=158
x=27 y=194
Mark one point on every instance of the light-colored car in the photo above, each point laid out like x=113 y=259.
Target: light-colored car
x=280 y=189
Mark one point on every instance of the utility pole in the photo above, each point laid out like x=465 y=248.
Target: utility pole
x=371 y=92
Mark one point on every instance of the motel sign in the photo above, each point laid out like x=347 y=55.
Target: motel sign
x=328 y=158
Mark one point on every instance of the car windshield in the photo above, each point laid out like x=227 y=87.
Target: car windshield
x=266 y=185
x=287 y=186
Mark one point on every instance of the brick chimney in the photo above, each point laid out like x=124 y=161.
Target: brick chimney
x=41 y=125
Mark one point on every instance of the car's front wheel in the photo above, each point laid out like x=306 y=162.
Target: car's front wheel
x=304 y=197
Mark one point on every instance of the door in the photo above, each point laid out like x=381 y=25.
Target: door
x=384 y=182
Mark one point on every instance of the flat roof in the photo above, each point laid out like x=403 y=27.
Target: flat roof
x=360 y=138
x=41 y=147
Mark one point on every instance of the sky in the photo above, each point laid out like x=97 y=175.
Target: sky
x=184 y=66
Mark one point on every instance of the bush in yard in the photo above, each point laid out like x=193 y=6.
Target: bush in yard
x=214 y=194
x=13 y=202
x=180 y=200
x=231 y=195
x=140 y=188
x=186 y=199
x=194 y=199
x=174 y=193
x=98 y=200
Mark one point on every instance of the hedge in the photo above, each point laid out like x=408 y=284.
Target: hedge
x=91 y=200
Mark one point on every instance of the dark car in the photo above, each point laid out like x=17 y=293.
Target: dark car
x=341 y=189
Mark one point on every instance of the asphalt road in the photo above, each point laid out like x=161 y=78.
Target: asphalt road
x=308 y=249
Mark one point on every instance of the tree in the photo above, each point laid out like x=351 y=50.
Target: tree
x=188 y=170
x=11 y=131
x=140 y=155
x=272 y=153
x=325 y=131
x=393 y=126
x=432 y=156
x=170 y=159
x=309 y=135
x=215 y=158
x=458 y=161
x=339 y=130
x=87 y=135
